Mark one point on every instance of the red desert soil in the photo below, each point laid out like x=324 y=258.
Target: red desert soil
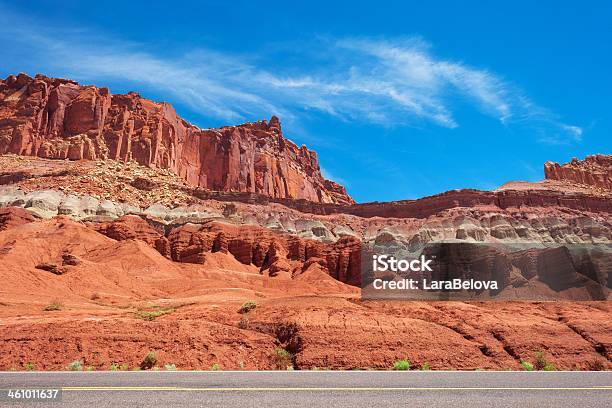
x=106 y=289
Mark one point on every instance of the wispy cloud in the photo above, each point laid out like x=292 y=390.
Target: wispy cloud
x=391 y=83
x=574 y=131
x=560 y=135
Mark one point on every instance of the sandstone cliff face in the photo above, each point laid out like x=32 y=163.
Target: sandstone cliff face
x=60 y=119
x=594 y=170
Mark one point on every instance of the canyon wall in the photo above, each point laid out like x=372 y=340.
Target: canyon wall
x=594 y=171
x=60 y=119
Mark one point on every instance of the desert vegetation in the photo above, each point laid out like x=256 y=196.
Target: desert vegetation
x=401 y=365
x=282 y=359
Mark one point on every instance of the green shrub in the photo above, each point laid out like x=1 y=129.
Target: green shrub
x=170 y=367
x=401 y=365
x=113 y=367
x=149 y=361
x=152 y=315
x=425 y=367
x=282 y=359
x=75 y=366
x=247 y=307
x=89 y=368
x=29 y=366
x=540 y=361
x=215 y=367
x=527 y=366
x=124 y=367
x=53 y=306
x=542 y=364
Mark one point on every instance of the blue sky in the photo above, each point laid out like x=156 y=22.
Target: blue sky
x=399 y=99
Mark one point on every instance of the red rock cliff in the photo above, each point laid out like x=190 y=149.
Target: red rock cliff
x=593 y=170
x=60 y=119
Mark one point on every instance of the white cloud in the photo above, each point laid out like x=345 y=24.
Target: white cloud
x=390 y=83
x=574 y=131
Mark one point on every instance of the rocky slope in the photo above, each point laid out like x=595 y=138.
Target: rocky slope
x=115 y=298
x=60 y=119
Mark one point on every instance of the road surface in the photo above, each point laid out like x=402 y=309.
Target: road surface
x=317 y=388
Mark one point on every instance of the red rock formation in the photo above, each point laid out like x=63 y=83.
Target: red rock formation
x=134 y=227
x=266 y=249
x=14 y=216
x=594 y=171
x=249 y=244
x=58 y=118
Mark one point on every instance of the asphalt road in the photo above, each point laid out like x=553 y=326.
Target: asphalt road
x=317 y=388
